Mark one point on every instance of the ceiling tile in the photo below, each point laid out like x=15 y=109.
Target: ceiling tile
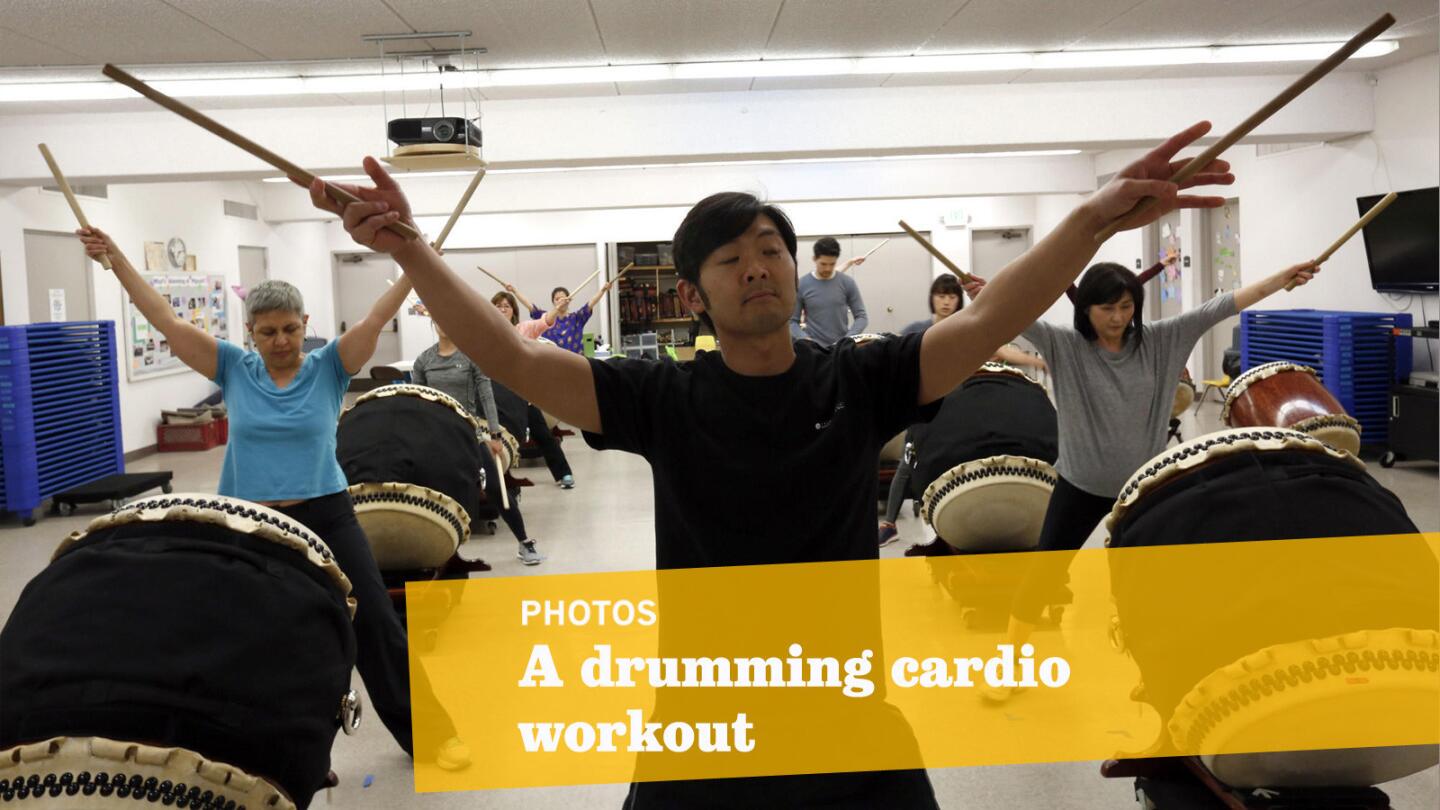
x=640 y=31
x=314 y=29
x=517 y=33
x=986 y=26
x=856 y=27
x=133 y=32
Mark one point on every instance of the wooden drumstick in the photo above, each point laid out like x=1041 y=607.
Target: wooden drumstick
x=459 y=209
x=583 y=284
x=206 y=122
x=491 y=275
x=872 y=251
x=1354 y=229
x=1286 y=96
x=64 y=185
x=925 y=243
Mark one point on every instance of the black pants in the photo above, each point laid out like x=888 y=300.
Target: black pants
x=493 y=481
x=380 y=649
x=540 y=432
x=1069 y=519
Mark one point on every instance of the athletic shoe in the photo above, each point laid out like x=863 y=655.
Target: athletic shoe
x=528 y=554
x=568 y=482
x=888 y=534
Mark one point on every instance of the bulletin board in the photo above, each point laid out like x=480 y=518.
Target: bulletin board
x=198 y=299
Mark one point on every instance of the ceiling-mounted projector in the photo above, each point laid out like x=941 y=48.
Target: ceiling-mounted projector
x=413 y=131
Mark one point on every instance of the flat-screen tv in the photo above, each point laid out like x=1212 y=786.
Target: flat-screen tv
x=1403 y=243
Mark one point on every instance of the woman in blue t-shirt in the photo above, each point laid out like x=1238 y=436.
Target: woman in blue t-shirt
x=283 y=407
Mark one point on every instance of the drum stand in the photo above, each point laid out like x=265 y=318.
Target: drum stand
x=1184 y=783
x=1175 y=432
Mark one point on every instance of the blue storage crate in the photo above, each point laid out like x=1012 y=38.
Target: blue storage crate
x=59 y=410
x=1353 y=353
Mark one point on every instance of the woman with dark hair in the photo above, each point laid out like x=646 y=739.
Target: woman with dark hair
x=1114 y=377
x=534 y=423
x=944 y=301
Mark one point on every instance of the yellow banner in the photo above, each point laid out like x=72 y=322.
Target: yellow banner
x=859 y=666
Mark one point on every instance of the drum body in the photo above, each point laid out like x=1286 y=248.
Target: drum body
x=1225 y=487
x=411 y=434
x=983 y=462
x=1288 y=395
x=198 y=623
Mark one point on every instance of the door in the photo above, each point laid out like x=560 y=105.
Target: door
x=991 y=250
x=254 y=268
x=360 y=279
x=1221 y=263
x=57 y=271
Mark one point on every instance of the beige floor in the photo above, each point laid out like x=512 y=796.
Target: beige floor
x=605 y=524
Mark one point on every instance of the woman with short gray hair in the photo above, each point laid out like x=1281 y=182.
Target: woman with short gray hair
x=283 y=406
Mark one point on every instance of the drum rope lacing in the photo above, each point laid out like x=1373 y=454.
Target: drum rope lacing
x=238 y=510
x=151 y=790
x=1339 y=420
x=1318 y=668
x=980 y=474
x=414 y=500
x=1200 y=447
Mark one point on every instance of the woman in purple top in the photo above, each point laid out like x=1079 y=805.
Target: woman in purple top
x=567 y=333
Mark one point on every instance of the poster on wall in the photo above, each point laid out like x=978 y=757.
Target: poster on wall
x=197 y=299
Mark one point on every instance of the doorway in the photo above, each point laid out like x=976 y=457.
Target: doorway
x=359 y=280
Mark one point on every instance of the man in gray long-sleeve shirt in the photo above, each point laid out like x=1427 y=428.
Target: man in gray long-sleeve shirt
x=828 y=299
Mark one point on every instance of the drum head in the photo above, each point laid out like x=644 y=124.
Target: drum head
x=992 y=504
x=88 y=770
x=1338 y=430
x=419 y=391
x=1242 y=707
x=234 y=514
x=409 y=527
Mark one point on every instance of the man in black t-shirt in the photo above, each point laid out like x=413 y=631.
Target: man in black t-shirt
x=764 y=452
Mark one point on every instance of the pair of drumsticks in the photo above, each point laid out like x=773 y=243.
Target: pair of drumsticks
x=572 y=295
x=1186 y=172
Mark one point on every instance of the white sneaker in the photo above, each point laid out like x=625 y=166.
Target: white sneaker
x=527 y=553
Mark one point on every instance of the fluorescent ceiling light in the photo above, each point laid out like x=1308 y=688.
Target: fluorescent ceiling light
x=352 y=178
x=763 y=68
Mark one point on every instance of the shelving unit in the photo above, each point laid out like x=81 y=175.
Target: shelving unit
x=646 y=301
x=59 y=410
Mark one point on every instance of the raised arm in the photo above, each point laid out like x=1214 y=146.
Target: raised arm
x=195 y=347
x=558 y=382
x=952 y=349
x=524 y=302
x=358 y=343
x=604 y=288
x=1015 y=357
x=1250 y=295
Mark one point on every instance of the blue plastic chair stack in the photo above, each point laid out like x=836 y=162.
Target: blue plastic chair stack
x=59 y=410
x=1351 y=353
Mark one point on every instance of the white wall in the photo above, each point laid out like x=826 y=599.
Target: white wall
x=135 y=214
x=1294 y=204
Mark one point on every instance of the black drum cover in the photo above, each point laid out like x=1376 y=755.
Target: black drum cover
x=1252 y=495
x=411 y=440
x=184 y=634
x=989 y=415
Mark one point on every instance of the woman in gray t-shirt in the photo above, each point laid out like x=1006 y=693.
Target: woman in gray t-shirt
x=445 y=368
x=1113 y=379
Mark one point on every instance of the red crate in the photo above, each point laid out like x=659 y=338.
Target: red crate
x=204 y=436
